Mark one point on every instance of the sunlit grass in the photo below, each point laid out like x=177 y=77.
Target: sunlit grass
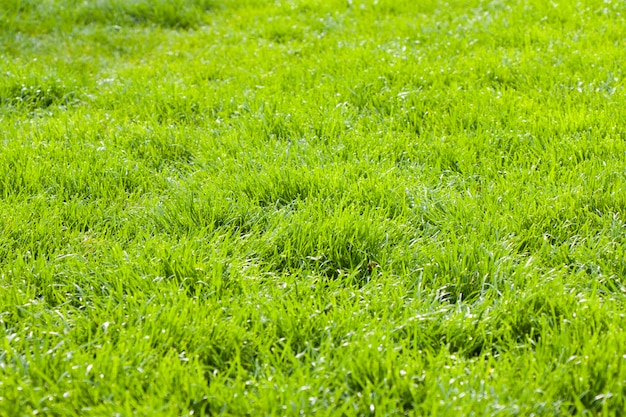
x=318 y=208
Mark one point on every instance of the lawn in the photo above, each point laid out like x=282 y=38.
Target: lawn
x=312 y=207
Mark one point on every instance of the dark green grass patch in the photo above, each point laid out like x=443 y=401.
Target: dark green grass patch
x=43 y=17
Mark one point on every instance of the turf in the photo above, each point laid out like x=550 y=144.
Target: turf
x=231 y=207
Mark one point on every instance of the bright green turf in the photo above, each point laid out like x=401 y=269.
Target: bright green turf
x=312 y=207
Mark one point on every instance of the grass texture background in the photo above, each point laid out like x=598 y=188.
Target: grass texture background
x=237 y=207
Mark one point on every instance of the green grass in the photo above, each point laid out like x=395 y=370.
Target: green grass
x=230 y=207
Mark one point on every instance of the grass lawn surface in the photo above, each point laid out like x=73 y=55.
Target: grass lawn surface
x=329 y=208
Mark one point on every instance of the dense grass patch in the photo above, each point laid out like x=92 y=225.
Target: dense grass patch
x=306 y=207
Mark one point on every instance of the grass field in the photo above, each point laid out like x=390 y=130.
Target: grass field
x=290 y=207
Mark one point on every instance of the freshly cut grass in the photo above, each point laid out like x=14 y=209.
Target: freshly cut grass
x=312 y=208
